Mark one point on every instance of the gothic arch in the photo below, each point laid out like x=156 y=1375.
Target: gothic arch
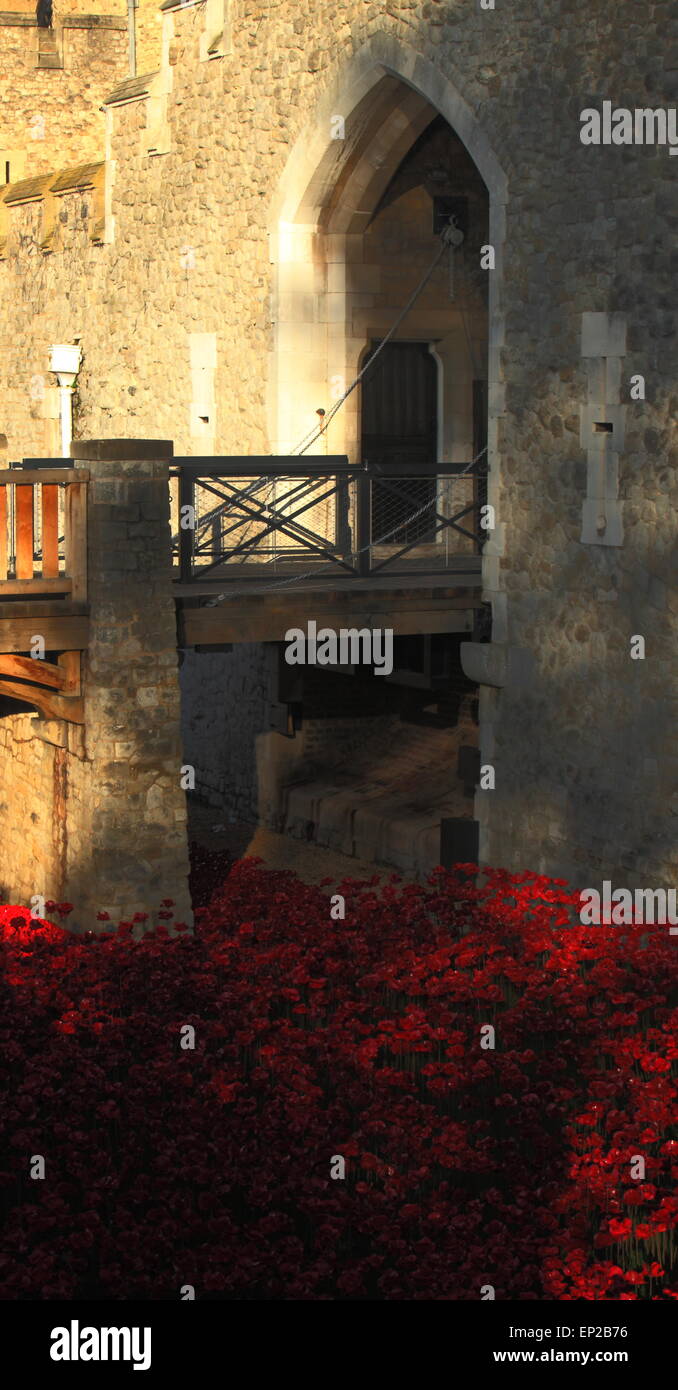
x=386 y=93
x=383 y=55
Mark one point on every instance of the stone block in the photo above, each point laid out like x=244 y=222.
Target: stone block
x=54 y=731
x=603 y=335
x=602 y=522
x=203 y=351
x=147 y=695
x=492 y=663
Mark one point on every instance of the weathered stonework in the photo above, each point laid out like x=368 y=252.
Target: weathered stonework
x=39 y=783
x=53 y=81
x=96 y=814
x=138 y=852
x=232 y=231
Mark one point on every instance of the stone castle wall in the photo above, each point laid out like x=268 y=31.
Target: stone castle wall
x=40 y=781
x=96 y=813
x=583 y=749
x=53 y=82
x=225 y=698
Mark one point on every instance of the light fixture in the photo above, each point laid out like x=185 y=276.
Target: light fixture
x=64 y=361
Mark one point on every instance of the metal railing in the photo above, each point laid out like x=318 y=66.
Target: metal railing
x=253 y=519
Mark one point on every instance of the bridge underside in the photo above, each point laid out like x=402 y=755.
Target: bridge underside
x=267 y=617
x=212 y=618
x=63 y=625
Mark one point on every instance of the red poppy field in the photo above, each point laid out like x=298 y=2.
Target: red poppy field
x=465 y=1166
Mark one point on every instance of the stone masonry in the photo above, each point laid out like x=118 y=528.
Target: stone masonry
x=53 y=81
x=137 y=853
x=227 y=216
x=96 y=815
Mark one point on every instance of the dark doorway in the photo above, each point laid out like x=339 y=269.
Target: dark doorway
x=400 y=425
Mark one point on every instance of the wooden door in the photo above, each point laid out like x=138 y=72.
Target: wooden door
x=400 y=424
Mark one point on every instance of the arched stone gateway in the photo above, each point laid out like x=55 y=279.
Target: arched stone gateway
x=327 y=308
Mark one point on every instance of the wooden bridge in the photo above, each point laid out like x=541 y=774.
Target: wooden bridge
x=258 y=544
x=43 y=587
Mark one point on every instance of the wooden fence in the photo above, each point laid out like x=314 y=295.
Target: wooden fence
x=43 y=533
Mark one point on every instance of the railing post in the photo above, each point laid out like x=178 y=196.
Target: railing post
x=3 y=531
x=75 y=537
x=186 y=533
x=342 y=538
x=24 y=511
x=49 y=517
x=363 y=521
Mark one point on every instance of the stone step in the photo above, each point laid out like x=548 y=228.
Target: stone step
x=375 y=827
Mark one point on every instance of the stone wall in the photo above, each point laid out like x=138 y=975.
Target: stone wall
x=52 y=117
x=42 y=827
x=225 y=698
x=96 y=814
x=197 y=243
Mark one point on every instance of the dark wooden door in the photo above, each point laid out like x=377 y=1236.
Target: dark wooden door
x=400 y=424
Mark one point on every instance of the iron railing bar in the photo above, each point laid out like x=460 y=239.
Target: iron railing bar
x=269 y=465
x=215 y=510
x=390 y=559
x=266 y=506
x=307 y=547
x=309 y=550
x=258 y=515
x=327 y=466
x=275 y=524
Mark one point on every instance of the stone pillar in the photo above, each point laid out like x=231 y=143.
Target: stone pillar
x=132 y=848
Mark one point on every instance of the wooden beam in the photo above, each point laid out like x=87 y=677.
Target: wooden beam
x=50 y=531
x=35 y=586
x=50 y=705
x=64 y=677
x=242 y=623
x=61 y=634
x=70 y=665
x=43 y=607
x=43 y=475
x=30 y=669
x=448 y=583
x=76 y=537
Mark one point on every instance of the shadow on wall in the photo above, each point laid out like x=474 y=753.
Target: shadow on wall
x=596 y=797
x=41 y=838
x=225 y=703
x=48 y=849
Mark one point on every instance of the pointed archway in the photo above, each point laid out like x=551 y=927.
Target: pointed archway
x=338 y=171
x=337 y=179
